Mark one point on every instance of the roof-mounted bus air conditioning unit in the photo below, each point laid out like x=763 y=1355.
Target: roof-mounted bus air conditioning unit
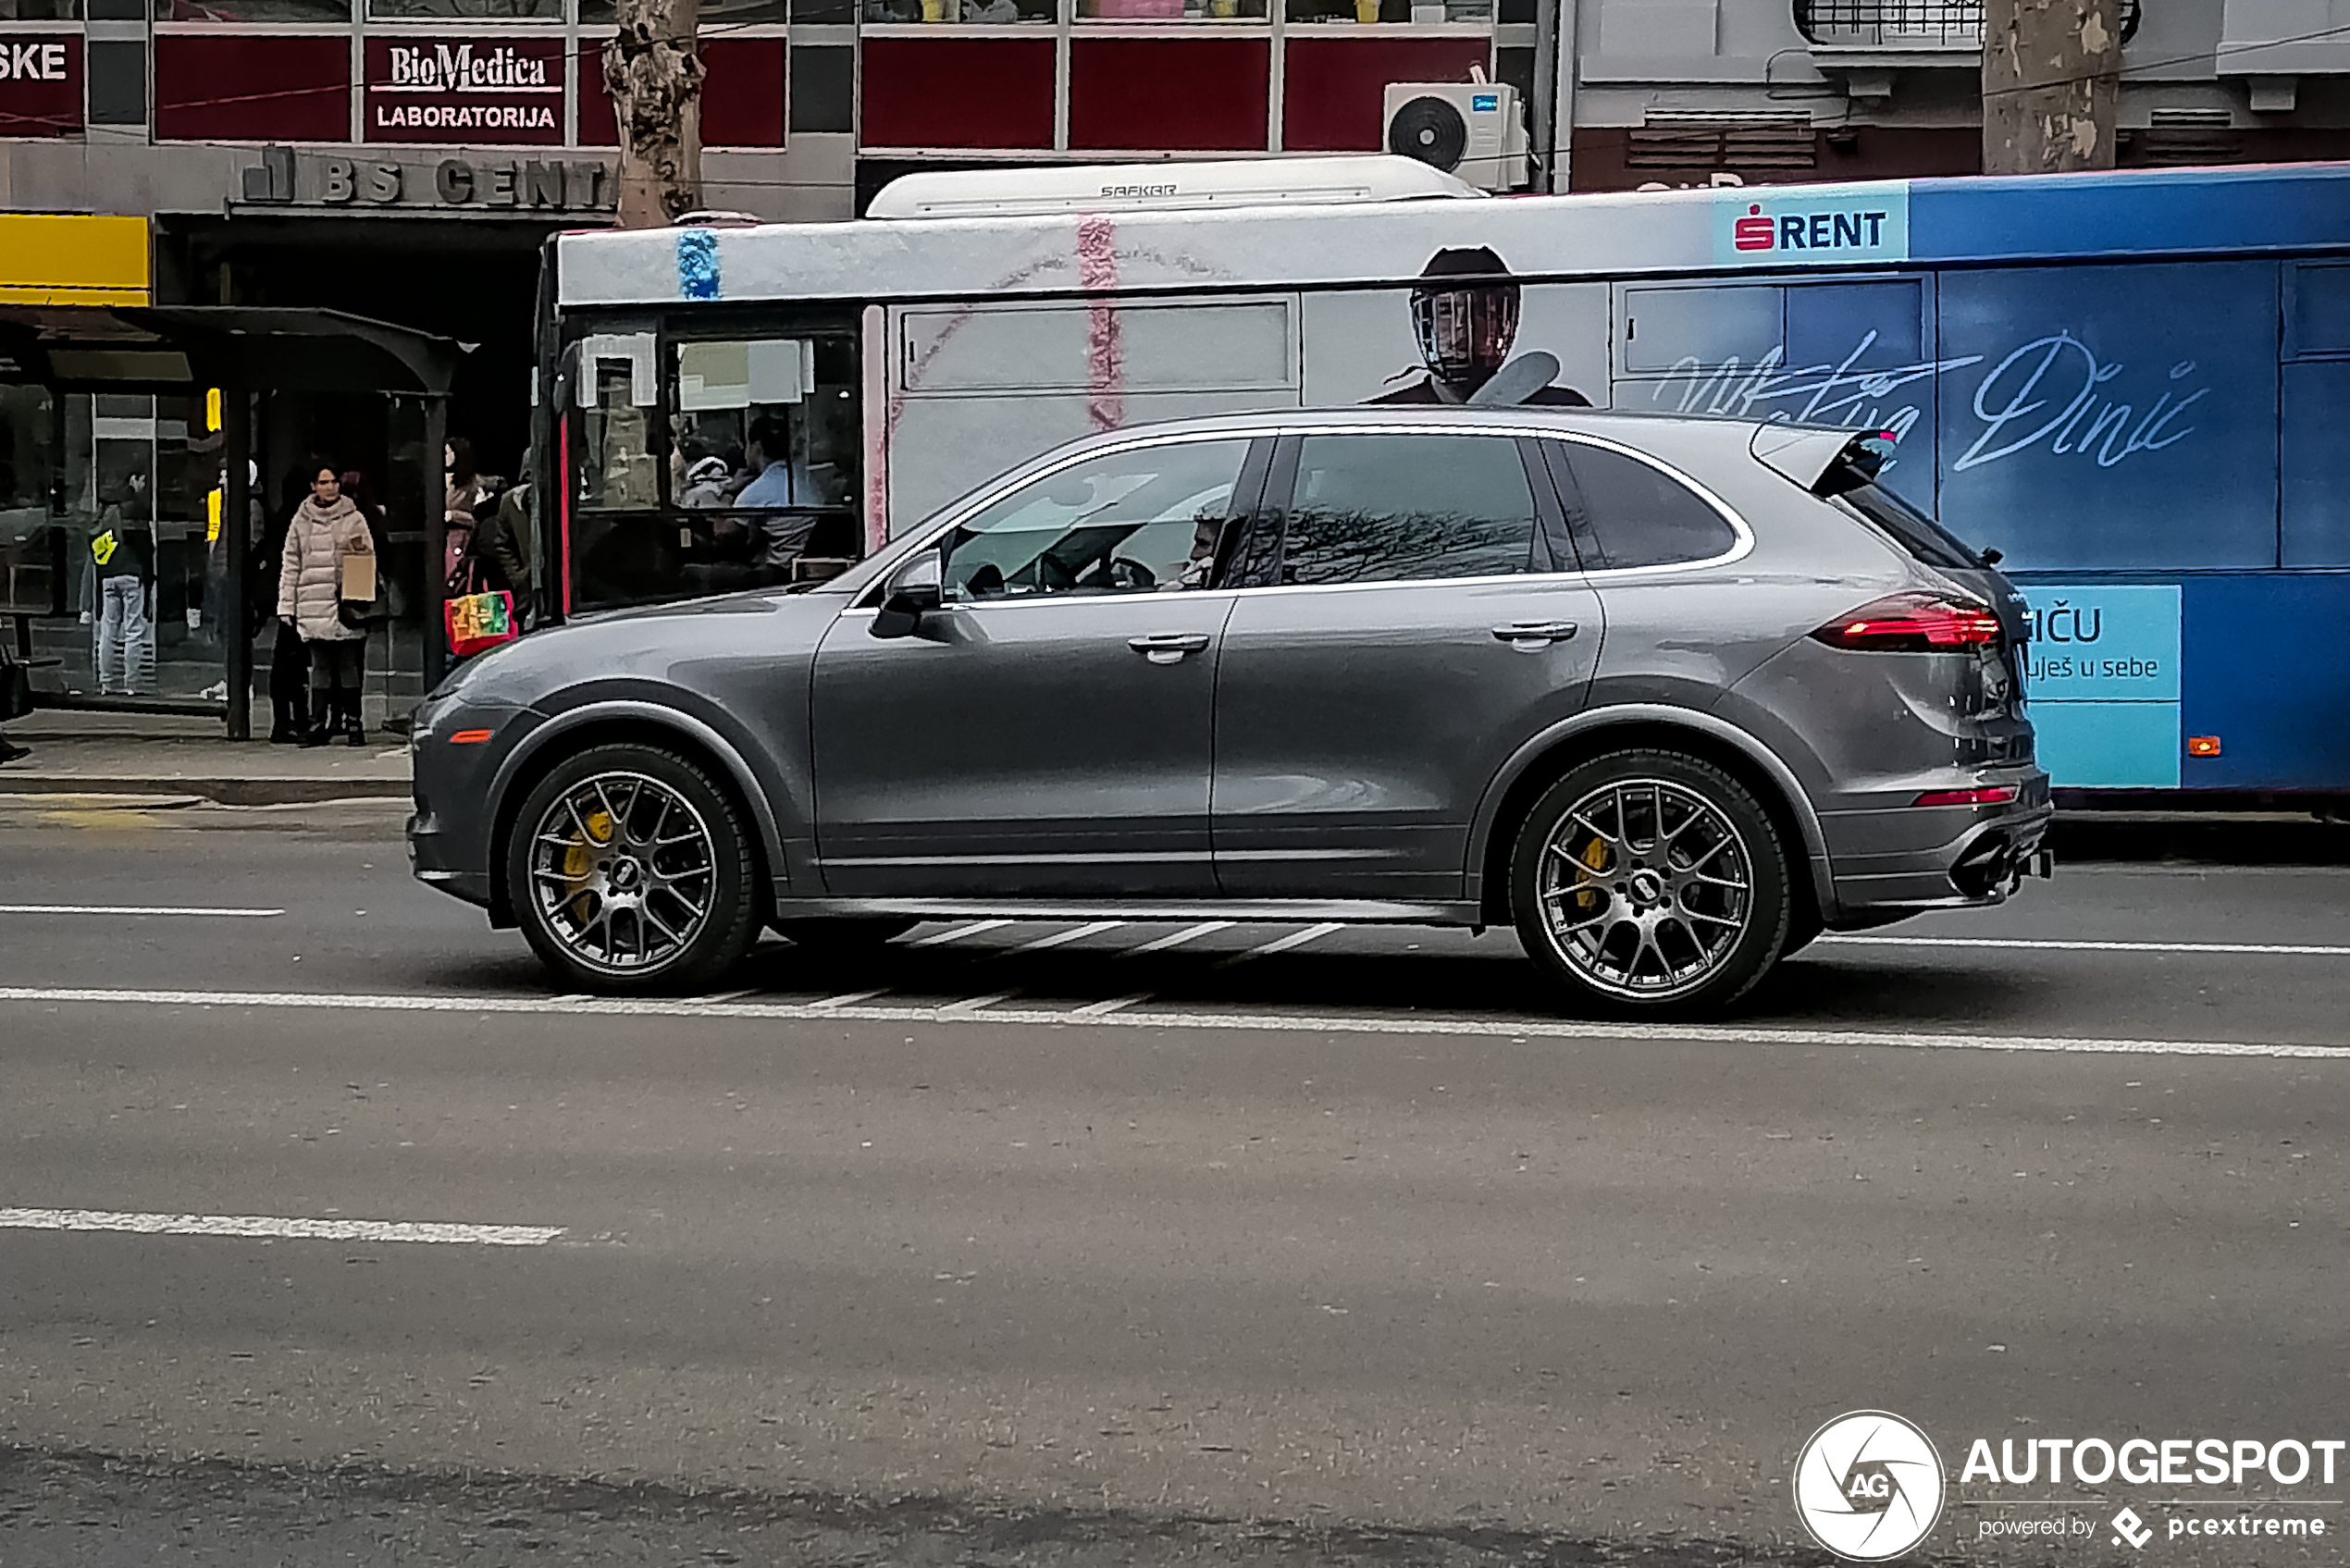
x=1475 y=129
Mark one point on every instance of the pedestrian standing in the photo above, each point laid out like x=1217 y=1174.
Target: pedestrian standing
x=114 y=593
x=500 y=535
x=327 y=535
x=463 y=494
x=289 y=656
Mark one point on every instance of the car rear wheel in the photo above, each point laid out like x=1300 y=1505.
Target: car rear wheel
x=631 y=872
x=843 y=937
x=1651 y=884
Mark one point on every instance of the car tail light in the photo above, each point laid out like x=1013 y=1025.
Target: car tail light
x=1985 y=795
x=1912 y=623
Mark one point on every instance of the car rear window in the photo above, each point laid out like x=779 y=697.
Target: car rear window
x=1634 y=514
x=1926 y=540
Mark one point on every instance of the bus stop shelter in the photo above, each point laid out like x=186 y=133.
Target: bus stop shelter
x=77 y=316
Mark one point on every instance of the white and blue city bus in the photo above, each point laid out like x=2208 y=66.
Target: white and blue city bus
x=2133 y=386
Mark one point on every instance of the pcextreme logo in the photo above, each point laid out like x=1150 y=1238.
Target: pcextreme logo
x=1869 y=1486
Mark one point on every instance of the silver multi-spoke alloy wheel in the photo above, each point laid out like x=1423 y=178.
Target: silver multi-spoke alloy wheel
x=624 y=873
x=1646 y=889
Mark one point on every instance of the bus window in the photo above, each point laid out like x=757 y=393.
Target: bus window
x=764 y=424
x=617 y=465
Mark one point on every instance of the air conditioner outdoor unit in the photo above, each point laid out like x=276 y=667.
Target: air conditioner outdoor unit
x=1474 y=130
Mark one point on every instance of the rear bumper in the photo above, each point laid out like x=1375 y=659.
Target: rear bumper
x=1900 y=861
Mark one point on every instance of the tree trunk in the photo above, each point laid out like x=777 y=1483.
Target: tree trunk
x=2051 y=74
x=653 y=71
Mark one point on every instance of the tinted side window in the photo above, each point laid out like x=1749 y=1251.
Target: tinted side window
x=1636 y=515
x=1129 y=522
x=1406 y=507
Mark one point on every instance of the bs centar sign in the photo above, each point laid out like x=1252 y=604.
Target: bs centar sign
x=284 y=178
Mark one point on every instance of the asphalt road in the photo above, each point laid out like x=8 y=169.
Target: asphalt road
x=1270 y=1244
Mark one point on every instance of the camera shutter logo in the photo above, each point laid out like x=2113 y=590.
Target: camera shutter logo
x=1869 y=1486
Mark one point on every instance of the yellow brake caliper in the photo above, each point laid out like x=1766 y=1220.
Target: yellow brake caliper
x=1586 y=892
x=579 y=861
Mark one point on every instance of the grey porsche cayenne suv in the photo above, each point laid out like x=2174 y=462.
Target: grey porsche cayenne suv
x=1669 y=696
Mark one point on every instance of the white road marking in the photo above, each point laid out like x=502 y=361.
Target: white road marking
x=1103 y=1008
x=2062 y=945
x=135 y=909
x=850 y=998
x=1078 y=933
x=973 y=1004
x=957 y=933
x=275 y=1229
x=1283 y=944
x=1286 y=1023
x=733 y=995
x=1161 y=944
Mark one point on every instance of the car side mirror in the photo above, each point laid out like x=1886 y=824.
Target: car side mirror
x=913 y=592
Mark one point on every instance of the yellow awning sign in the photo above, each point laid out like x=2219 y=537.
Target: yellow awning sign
x=67 y=259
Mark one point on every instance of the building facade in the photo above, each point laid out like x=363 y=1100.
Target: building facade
x=1684 y=92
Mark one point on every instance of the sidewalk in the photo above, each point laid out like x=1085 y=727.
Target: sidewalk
x=76 y=753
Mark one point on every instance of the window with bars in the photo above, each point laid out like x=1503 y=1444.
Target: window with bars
x=1908 y=24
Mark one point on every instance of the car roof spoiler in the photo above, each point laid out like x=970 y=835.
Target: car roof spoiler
x=1822 y=462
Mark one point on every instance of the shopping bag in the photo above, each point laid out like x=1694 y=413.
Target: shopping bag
x=479 y=621
x=358 y=578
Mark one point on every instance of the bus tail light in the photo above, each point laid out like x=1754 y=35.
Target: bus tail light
x=1912 y=623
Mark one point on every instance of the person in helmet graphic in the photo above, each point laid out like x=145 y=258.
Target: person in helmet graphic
x=1465 y=313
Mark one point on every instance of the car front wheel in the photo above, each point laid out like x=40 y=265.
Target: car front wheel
x=1652 y=883
x=631 y=872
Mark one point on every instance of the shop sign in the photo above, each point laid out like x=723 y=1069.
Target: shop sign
x=285 y=178
x=472 y=91
x=40 y=84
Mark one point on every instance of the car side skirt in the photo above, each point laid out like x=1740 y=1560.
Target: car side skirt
x=1346 y=911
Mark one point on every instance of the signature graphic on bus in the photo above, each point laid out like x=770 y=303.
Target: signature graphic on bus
x=2050 y=393
x=2065 y=363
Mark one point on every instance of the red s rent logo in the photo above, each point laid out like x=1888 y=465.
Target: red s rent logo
x=1752 y=232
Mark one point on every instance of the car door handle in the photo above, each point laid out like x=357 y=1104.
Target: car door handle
x=1169 y=648
x=1534 y=633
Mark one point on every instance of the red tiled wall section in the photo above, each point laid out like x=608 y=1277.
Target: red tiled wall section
x=252 y=88
x=958 y=92
x=1332 y=91
x=743 y=96
x=1172 y=94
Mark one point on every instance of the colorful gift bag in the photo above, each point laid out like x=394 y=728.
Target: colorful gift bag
x=479 y=621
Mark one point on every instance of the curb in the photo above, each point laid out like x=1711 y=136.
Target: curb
x=220 y=791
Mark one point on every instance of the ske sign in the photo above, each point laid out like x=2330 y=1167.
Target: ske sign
x=37 y=61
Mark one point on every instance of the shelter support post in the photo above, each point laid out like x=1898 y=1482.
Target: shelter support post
x=435 y=485
x=236 y=544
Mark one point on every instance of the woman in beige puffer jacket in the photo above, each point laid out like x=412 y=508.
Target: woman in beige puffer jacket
x=326 y=527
